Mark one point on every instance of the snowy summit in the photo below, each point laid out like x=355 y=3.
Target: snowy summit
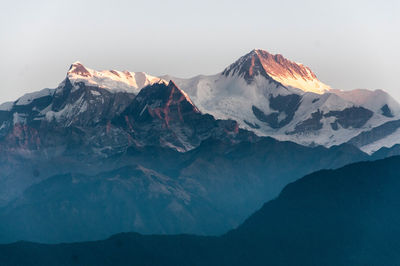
x=277 y=68
x=111 y=79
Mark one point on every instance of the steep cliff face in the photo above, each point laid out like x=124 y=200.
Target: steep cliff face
x=278 y=69
x=165 y=115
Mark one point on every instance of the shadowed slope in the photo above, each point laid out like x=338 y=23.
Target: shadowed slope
x=347 y=216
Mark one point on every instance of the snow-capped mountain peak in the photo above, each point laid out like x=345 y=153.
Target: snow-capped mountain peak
x=273 y=96
x=78 y=69
x=276 y=68
x=112 y=80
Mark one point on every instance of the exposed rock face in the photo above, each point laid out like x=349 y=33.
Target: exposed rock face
x=164 y=115
x=375 y=134
x=354 y=117
x=284 y=109
x=164 y=102
x=277 y=69
x=309 y=125
x=78 y=69
x=45 y=121
x=249 y=66
x=386 y=111
x=82 y=105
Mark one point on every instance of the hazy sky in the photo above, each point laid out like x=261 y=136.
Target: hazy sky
x=348 y=44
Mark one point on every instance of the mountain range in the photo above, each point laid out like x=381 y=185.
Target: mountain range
x=265 y=93
x=346 y=216
x=110 y=151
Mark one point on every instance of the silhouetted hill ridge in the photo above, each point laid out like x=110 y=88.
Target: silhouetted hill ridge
x=347 y=216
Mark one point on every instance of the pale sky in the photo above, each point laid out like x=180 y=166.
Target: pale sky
x=348 y=44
